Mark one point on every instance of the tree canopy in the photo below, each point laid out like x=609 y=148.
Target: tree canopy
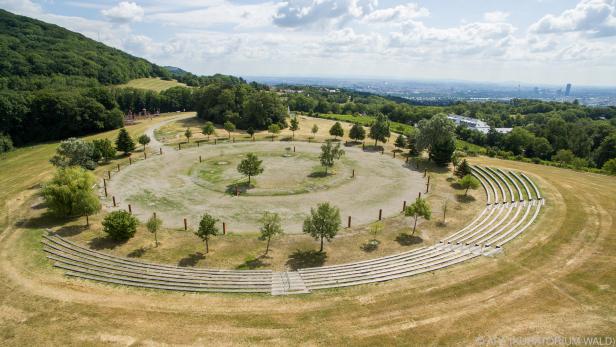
x=70 y=193
x=323 y=223
x=250 y=166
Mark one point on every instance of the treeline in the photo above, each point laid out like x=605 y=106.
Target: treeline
x=39 y=51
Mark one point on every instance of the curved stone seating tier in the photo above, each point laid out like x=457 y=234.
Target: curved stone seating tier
x=513 y=202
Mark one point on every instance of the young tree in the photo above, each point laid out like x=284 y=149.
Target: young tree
x=229 y=127
x=274 y=129
x=294 y=126
x=379 y=131
x=6 y=143
x=251 y=166
x=419 y=208
x=208 y=129
x=455 y=160
x=468 y=182
x=610 y=166
x=564 y=156
x=357 y=132
x=314 y=130
x=463 y=169
x=154 y=224
x=124 y=143
x=329 y=154
x=270 y=226
x=104 y=149
x=143 y=140
x=70 y=193
x=336 y=130
x=376 y=229
x=400 y=142
x=323 y=223
x=120 y=225
x=188 y=134
x=251 y=132
x=75 y=152
x=411 y=139
x=207 y=229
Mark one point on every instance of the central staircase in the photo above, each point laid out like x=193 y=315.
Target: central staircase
x=288 y=282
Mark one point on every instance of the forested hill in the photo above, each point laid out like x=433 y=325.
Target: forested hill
x=35 y=55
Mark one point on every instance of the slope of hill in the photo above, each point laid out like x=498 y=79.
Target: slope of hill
x=38 y=51
x=152 y=83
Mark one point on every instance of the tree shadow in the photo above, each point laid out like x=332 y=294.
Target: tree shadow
x=43 y=221
x=408 y=240
x=351 y=143
x=373 y=148
x=252 y=263
x=191 y=259
x=287 y=138
x=319 y=174
x=70 y=230
x=464 y=198
x=370 y=246
x=456 y=185
x=105 y=242
x=137 y=252
x=303 y=259
x=241 y=187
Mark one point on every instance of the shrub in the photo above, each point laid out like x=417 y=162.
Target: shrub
x=120 y=225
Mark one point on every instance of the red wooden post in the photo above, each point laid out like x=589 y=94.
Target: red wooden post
x=349 y=222
x=380 y=213
x=185 y=224
x=404 y=205
x=114 y=202
x=224 y=228
x=130 y=210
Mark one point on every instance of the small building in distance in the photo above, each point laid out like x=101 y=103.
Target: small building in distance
x=475 y=124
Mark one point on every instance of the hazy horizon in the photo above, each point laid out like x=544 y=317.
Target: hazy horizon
x=536 y=42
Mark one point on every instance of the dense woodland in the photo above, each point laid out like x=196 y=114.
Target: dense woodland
x=56 y=84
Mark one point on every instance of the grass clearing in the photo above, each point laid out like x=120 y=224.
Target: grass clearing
x=156 y=84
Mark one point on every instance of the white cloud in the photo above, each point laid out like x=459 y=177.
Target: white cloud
x=591 y=17
x=398 y=13
x=124 y=12
x=300 y=13
x=495 y=16
x=22 y=7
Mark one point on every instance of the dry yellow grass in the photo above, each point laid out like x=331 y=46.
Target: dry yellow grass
x=558 y=278
x=155 y=84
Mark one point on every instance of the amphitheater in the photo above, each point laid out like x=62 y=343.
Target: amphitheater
x=513 y=203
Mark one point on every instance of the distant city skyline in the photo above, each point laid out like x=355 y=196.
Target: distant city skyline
x=535 y=42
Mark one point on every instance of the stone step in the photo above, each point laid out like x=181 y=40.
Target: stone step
x=289 y=282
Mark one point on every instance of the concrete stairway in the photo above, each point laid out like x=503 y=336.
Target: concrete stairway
x=288 y=282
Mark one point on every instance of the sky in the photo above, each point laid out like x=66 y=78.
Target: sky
x=528 y=41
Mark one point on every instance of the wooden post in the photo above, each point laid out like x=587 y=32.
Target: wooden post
x=130 y=209
x=309 y=139
x=198 y=143
x=179 y=146
x=237 y=190
x=349 y=222
x=215 y=141
x=105 y=186
x=404 y=205
x=425 y=172
x=109 y=175
x=363 y=146
x=383 y=151
x=428 y=184
x=394 y=154
x=224 y=228
x=380 y=213
x=419 y=196
x=233 y=139
x=154 y=215
x=199 y=158
x=253 y=138
x=293 y=148
x=353 y=175
x=185 y=224
x=118 y=167
x=130 y=161
x=114 y=202
x=161 y=151
x=145 y=155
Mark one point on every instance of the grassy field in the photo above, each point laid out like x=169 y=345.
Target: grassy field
x=557 y=279
x=155 y=84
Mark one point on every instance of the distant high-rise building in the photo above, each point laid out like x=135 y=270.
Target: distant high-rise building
x=568 y=89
